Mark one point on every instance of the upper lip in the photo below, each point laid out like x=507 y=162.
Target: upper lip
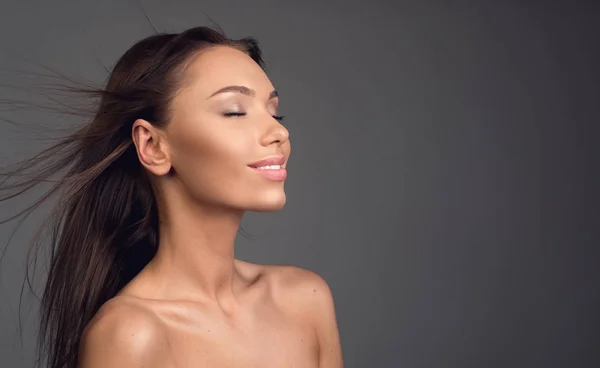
x=273 y=160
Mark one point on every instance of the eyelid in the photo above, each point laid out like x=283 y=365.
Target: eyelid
x=239 y=114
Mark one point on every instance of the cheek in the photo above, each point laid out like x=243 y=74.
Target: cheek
x=212 y=163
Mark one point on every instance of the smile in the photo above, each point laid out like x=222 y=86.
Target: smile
x=271 y=172
x=269 y=167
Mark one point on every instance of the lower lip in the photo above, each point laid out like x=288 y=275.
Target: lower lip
x=277 y=175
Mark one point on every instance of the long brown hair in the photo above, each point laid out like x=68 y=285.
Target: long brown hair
x=104 y=228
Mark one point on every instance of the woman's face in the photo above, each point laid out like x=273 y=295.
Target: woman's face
x=215 y=137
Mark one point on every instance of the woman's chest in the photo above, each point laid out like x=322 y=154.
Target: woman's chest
x=265 y=340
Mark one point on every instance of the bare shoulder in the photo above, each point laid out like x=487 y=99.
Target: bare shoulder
x=308 y=294
x=296 y=290
x=283 y=277
x=293 y=276
x=123 y=333
x=300 y=288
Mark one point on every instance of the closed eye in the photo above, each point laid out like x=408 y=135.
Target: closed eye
x=232 y=114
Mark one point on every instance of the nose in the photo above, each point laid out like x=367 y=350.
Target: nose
x=276 y=133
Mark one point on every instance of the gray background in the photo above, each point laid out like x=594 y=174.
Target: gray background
x=444 y=170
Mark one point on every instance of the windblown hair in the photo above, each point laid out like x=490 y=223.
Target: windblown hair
x=104 y=226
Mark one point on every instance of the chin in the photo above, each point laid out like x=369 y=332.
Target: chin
x=270 y=203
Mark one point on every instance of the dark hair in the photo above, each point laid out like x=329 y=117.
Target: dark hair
x=104 y=227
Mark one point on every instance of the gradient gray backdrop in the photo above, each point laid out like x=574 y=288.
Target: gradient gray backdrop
x=444 y=169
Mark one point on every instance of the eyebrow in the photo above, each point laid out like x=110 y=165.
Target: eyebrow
x=243 y=90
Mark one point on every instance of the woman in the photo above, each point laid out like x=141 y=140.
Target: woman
x=185 y=140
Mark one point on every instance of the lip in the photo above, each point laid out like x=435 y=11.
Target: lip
x=274 y=160
x=276 y=175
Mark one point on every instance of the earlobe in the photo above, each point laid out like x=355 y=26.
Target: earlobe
x=151 y=149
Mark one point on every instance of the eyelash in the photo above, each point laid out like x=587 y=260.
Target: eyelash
x=231 y=114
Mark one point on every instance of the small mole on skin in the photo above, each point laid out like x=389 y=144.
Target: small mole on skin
x=314 y=290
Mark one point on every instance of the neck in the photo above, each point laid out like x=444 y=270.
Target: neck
x=195 y=257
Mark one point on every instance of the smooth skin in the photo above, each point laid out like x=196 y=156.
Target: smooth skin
x=194 y=304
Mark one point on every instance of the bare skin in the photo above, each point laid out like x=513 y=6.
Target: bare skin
x=195 y=304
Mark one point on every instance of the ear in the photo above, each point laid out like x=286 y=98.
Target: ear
x=151 y=147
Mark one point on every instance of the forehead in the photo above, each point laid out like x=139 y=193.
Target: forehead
x=222 y=66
